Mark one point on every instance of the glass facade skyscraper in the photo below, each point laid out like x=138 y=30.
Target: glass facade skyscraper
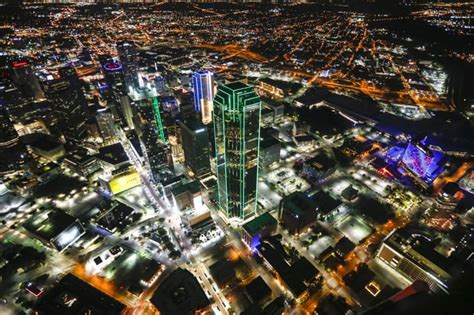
x=237 y=138
x=113 y=73
x=196 y=146
x=203 y=89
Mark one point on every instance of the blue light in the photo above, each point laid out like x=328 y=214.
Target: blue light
x=255 y=242
x=423 y=162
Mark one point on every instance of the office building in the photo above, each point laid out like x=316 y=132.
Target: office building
x=258 y=228
x=69 y=74
x=297 y=211
x=70 y=104
x=8 y=134
x=237 y=141
x=188 y=196
x=113 y=73
x=127 y=51
x=269 y=152
x=105 y=122
x=127 y=111
x=12 y=152
x=196 y=147
x=150 y=130
x=80 y=161
x=157 y=153
x=24 y=77
x=203 y=88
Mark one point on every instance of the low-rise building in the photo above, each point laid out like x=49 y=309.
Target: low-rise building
x=180 y=293
x=188 y=196
x=319 y=167
x=410 y=253
x=269 y=152
x=80 y=162
x=297 y=212
x=256 y=229
x=55 y=228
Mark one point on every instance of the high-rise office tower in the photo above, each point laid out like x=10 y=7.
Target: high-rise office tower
x=105 y=121
x=237 y=138
x=157 y=153
x=69 y=74
x=203 y=89
x=12 y=152
x=196 y=146
x=149 y=128
x=127 y=54
x=127 y=110
x=8 y=134
x=68 y=102
x=25 y=78
x=116 y=88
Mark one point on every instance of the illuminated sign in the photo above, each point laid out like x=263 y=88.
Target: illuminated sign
x=124 y=181
x=112 y=66
x=19 y=64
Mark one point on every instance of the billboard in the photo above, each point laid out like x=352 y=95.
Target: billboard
x=121 y=182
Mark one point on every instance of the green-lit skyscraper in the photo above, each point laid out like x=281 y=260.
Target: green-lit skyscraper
x=237 y=136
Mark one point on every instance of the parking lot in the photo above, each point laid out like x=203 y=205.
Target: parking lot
x=353 y=227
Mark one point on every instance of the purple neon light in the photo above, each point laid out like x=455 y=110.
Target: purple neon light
x=112 y=66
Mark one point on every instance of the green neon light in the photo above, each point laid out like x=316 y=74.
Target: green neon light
x=258 y=155
x=159 y=123
x=233 y=105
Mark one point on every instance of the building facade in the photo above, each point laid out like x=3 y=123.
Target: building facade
x=196 y=147
x=24 y=77
x=203 y=87
x=237 y=142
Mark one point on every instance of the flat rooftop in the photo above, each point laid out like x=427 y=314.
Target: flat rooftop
x=180 y=293
x=74 y=296
x=113 y=154
x=237 y=85
x=49 y=226
x=259 y=223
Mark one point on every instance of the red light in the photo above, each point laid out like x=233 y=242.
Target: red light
x=383 y=171
x=20 y=64
x=34 y=290
x=459 y=195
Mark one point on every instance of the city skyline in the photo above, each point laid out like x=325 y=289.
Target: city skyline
x=255 y=158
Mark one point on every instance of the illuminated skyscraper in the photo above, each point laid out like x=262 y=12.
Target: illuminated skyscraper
x=149 y=128
x=237 y=139
x=203 y=88
x=127 y=52
x=114 y=77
